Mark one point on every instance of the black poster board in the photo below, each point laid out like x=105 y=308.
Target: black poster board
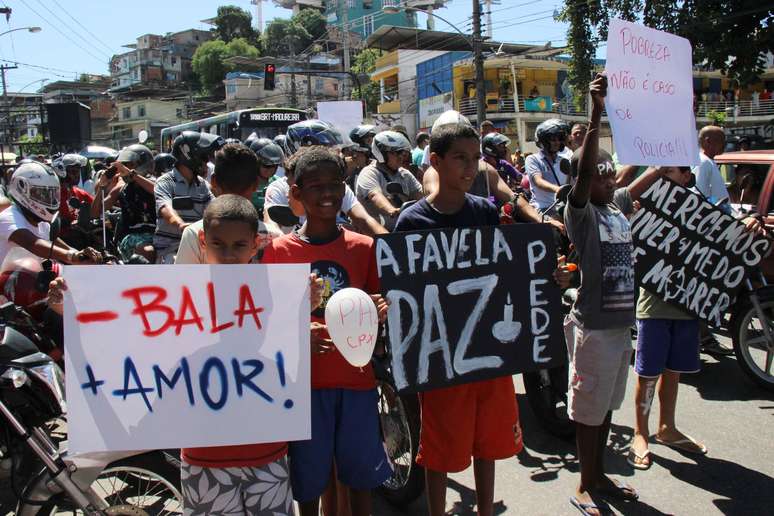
x=470 y=304
x=690 y=253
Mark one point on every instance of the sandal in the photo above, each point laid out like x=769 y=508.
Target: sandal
x=637 y=461
x=687 y=445
x=584 y=507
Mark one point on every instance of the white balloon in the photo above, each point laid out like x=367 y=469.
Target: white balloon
x=353 y=323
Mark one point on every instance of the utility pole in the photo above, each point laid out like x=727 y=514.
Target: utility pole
x=345 y=36
x=478 y=63
x=308 y=82
x=293 y=95
x=7 y=124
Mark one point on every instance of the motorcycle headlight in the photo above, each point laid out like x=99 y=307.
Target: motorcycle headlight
x=53 y=377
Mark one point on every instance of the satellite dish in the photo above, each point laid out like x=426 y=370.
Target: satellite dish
x=142 y=136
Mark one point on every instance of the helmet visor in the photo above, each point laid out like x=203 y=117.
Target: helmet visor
x=48 y=196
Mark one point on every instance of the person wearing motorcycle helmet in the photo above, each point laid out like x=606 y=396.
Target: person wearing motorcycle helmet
x=384 y=185
x=35 y=195
x=250 y=139
x=312 y=132
x=68 y=168
x=544 y=169
x=181 y=194
x=281 y=140
x=163 y=163
x=355 y=158
x=363 y=135
x=494 y=150
x=270 y=158
x=130 y=182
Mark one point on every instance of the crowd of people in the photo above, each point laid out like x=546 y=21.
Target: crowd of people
x=314 y=196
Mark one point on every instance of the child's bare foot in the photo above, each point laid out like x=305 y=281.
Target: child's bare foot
x=639 y=454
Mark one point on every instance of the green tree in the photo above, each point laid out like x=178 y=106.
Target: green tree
x=32 y=145
x=365 y=63
x=234 y=22
x=311 y=20
x=731 y=36
x=209 y=61
x=286 y=37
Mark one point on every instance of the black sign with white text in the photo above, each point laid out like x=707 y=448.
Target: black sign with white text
x=470 y=304
x=691 y=254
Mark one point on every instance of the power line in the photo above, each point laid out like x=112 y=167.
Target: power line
x=60 y=32
x=68 y=27
x=96 y=38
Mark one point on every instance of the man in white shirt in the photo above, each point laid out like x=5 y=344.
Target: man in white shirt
x=544 y=168
x=709 y=182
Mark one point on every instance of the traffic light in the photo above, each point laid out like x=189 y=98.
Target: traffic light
x=268 y=76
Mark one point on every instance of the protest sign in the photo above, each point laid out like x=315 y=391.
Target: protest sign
x=650 y=96
x=186 y=355
x=470 y=304
x=691 y=254
x=344 y=115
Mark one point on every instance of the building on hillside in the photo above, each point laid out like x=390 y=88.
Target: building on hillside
x=435 y=87
x=91 y=93
x=151 y=115
x=155 y=60
x=364 y=17
x=396 y=73
x=22 y=119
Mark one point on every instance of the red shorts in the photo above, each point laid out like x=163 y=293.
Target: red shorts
x=479 y=420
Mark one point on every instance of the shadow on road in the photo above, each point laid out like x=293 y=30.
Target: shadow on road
x=721 y=379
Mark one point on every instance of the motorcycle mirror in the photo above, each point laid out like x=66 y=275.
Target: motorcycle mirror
x=565 y=166
x=564 y=192
x=44 y=277
x=55 y=228
x=74 y=203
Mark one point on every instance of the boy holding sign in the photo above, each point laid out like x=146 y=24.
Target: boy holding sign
x=345 y=420
x=478 y=419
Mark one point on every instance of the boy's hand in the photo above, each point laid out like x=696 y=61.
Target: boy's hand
x=320 y=340
x=753 y=225
x=56 y=295
x=598 y=90
x=316 y=287
x=563 y=272
x=558 y=226
x=381 y=306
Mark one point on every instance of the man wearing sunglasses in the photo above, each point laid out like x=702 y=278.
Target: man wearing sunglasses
x=383 y=186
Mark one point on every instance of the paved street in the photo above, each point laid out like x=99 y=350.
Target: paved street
x=730 y=415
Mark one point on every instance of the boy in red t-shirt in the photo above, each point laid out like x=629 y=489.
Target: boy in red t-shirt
x=230 y=236
x=345 y=421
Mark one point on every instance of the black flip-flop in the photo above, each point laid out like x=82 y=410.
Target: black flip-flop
x=584 y=507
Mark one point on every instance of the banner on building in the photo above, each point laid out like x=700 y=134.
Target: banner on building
x=433 y=107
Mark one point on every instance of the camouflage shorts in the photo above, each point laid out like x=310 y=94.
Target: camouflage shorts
x=130 y=242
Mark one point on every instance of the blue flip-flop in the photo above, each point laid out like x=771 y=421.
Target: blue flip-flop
x=583 y=507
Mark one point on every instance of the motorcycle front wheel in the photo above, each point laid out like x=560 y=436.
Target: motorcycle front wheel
x=752 y=350
x=547 y=396
x=146 y=485
x=399 y=419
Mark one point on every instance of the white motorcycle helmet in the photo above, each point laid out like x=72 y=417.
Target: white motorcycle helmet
x=451 y=117
x=388 y=141
x=35 y=187
x=61 y=164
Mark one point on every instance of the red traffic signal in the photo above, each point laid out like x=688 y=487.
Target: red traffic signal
x=268 y=76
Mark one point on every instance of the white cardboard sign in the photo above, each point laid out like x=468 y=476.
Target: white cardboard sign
x=650 y=96
x=344 y=115
x=172 y=356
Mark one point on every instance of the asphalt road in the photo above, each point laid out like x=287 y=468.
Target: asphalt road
x=719 y=406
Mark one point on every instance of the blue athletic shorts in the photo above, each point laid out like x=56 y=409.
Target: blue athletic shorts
x=345 y=429
x=667 y=344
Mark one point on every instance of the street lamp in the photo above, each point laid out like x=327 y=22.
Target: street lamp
x=474 y=40
x=28 y=29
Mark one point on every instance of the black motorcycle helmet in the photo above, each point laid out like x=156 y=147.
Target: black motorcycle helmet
x=281 y=140
x=491 y=141
x=140 y=156
x=192 y=149
x=163 y=163
x=547 y=129
x=270 y=155
x=250 y=139
x=259 y=143
x=312 y=132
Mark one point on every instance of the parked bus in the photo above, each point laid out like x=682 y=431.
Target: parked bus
x=268 y=122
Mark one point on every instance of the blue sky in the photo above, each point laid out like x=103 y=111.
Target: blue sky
x=65 y=48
